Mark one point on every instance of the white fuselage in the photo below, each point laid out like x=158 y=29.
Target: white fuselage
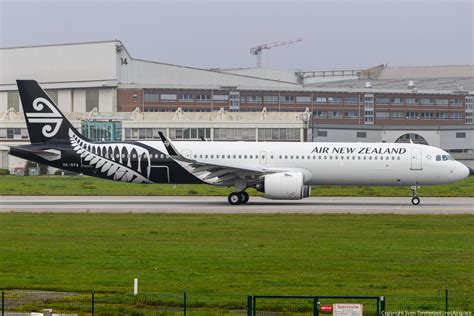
x=333 y=163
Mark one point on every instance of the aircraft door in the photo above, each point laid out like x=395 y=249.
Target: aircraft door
x=263 y=157
x=416 y=161
x=187 y=153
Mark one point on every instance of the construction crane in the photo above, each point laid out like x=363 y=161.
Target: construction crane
x=257 y=50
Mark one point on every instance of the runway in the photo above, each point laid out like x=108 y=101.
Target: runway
x=218 y=205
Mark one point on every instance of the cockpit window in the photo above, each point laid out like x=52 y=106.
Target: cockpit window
x=438 y=157
x=445 y=158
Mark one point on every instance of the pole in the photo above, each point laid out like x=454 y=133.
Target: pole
x=316 y=306
x=378 y=306
x=382 y=306
x=184 y=309
x=3 y=303
x=446 y=306
x=135 y=287
x=93 y=303
x=254 y=306
x=249 y=305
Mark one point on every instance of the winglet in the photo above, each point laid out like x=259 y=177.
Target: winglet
x=172 y=151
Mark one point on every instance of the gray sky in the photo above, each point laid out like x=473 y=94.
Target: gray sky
x=207 y=34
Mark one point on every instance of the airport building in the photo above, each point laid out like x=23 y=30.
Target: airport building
x=110 y=95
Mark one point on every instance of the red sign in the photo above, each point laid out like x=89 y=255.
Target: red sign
x=326 y=308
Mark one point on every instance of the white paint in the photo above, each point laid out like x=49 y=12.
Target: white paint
x=135 y=286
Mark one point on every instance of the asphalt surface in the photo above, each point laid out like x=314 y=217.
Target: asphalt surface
x=219 y=205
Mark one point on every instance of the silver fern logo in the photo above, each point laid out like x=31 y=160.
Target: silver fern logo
x=123 y=162
x=52 y=120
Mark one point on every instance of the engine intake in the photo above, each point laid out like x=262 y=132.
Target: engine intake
x=284 y=186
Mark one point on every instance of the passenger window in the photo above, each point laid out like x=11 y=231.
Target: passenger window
x=375 y=158
x=256 y=156
x=296 y=157
x=286 y=157
x=336 y=157
x=393 y=157
x=365 y=157
x=330 y=157
x=271 y=157
x=342 y=157
x=240 y=156
x=398 y=158
x=291 y=157
x=302 y=157
x=205 y=156
x=162 y=156
x=228 y=156
x=370 y=157
x=279 y=157
x=325 y=157
x=235 y=156
x=195 y=156
x=319 y=157
x=251 y=156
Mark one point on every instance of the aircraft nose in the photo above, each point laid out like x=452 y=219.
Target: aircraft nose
x=462 y=171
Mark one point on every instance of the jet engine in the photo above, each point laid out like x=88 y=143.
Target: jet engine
x=284 y=186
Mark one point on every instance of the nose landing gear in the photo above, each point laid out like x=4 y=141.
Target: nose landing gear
x=415 y=200
x=235 y=198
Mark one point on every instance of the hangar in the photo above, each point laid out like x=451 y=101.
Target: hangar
x=111 y=95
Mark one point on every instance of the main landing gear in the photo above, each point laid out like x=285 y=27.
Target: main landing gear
x=235 y=198
x=415 y=200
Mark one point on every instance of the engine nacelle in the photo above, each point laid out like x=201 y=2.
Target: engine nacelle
x=284 y=186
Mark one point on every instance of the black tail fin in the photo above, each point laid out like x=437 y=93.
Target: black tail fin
x=44 y=120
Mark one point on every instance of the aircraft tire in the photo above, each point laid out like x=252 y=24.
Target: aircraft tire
x=244 y=197
x=415 y=200
x=234 y=198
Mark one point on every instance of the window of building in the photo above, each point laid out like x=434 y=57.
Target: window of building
x=335 y=114
x=320 y=114
x=270 y=99
x=412 y=115
x=397 y=101
x=335 y=100
x=369 y=119
x=203 y=98
x=303 y=99
x=410 y=101
x=351 y=100
x=426 y=115
x=456 y=102
x=220 y=97
x=397 y=115
x=361 y=134
x=426 y=101
x=168 y=97
x=287 y=99
x=351 y=114
x=53 y=95
x=186 y=98
x=319 y=99
x=150 y=96
x=13 y=100
x=245 y=134
x=381 y=114
x=382 y=100
x=322 y=133
x=461 y=135
x=92 y=99
x=254 y=99
x=457 y=115
x=441 y=102
x=442 y=115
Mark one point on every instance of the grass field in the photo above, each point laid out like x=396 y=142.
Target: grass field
x=74 y=185
x=235 y=254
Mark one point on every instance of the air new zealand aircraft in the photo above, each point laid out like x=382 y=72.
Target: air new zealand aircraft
x=281 y=170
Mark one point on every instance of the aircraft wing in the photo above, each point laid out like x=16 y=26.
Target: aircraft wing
x=220 y=174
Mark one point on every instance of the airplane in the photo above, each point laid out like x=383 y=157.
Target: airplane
x=281 y=170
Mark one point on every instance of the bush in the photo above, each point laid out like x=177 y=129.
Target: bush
x=4 y=172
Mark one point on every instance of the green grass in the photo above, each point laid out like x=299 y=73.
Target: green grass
x=71 y=185
x=236 y=254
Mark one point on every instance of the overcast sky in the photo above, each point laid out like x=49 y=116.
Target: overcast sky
x=208 y=34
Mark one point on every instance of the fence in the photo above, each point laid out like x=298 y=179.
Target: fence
x=22 y=303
